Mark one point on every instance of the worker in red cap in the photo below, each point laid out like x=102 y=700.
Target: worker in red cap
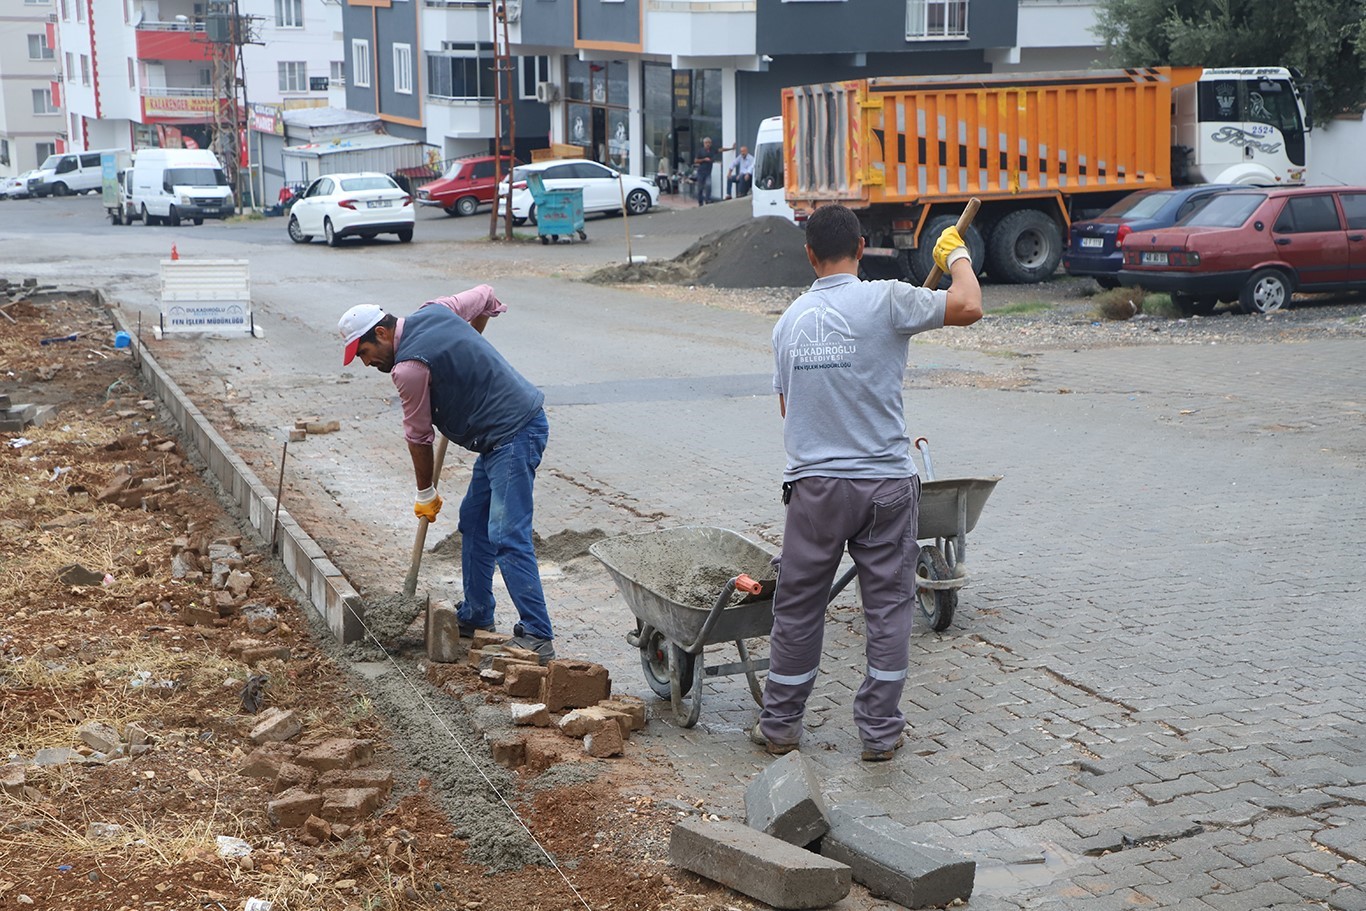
x=449 y=377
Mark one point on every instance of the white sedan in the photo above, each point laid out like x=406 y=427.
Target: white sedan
x=604 y=189
x=351 y=205
x=15 y=187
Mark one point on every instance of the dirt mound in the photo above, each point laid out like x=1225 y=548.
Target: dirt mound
x=761 y=253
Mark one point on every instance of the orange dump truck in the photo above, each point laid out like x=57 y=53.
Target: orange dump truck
x=1038 y=149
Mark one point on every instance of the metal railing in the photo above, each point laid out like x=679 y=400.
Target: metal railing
x=155 y=26
x=162 y=91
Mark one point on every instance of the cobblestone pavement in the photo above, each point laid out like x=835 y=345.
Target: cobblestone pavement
x=1153 y=692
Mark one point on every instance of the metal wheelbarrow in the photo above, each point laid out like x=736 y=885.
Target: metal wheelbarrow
x=688 y=588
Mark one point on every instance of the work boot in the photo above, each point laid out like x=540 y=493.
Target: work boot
x=871 y=754
x=774 y=749
x=467 y=627
x=544 y=648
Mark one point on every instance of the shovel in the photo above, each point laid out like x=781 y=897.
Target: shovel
x=410 y=583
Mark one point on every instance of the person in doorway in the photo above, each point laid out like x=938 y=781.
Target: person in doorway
x=449 y=377
x=840 y=362
x=702 y=162
x=740 y=177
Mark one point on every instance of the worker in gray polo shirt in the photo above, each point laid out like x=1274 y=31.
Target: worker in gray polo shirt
x=840 y=361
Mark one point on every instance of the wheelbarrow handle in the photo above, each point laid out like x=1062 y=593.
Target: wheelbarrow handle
x=744 y=583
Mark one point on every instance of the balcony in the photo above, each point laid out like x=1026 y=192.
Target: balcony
x=173 y=104
x=173 y=41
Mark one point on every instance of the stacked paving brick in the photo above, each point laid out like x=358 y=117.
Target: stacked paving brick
x=15 y=418
x=796 y=853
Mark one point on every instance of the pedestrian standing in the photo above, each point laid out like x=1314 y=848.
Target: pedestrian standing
x=449 y=377
x=702 y=163
x=840 y=361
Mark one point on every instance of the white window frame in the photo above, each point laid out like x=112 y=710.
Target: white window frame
x=293 y=75
x=132 y=74
x=49 y=109
x=337 y=76
x=540 y=73
x=403 y=69
x=918 y=20
x=44 y=52
x=289 y=13
x=70 y=66
x=360 y=62
x=85 y=69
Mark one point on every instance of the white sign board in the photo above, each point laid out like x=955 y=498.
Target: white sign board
x=206 y=295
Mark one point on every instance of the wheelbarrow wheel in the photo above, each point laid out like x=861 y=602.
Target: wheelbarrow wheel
x=654 y=661
x=936 y=606
x=583 y=235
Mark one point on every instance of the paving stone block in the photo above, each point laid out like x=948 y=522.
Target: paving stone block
x=442 y=632
x=892 y=865
x=605 y=741
x=276 y=724
x=784 y=801
x=575 y=684
x=293 y=808
x=337 y=753
x=758 y=865
x=525 y=681
x=509 y=751
x=349 y=804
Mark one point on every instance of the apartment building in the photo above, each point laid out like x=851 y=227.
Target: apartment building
x=426 y=69
x=146 y=73
x=30 y=113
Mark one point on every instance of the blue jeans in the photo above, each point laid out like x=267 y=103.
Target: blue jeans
x=703 y=189
x=495 y=530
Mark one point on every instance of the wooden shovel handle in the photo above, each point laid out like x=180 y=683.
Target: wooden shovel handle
x=964 y=220
x=410 y=583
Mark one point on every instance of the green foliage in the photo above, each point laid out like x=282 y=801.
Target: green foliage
x=1325 y=39
x=1022 y=309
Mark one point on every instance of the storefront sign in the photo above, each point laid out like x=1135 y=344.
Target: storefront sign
x=267 y=118
x=683 y=90
x=178 y=106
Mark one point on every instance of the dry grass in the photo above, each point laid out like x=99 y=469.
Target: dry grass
x=1119 y=303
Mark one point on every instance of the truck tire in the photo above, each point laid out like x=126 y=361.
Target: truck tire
x=1025 y=248
x=60 y=189
x=922 y=257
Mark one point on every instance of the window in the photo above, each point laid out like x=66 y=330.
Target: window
x=38 y=49
x=70 y=66
x=42 y=102
x=90 y=160
x=45 y=150
x=1354 y=204
x=460 y=77
x=66 y=13
x=534 y=70
x=289 y=13
x=403 y=69
x=1306 y=214
x=360 y=62
x=338 y=74
x=4 y=151
x=85 y=69
x=80 y=10
x=293 y=76
x=205 y=76
x=132 y=74
x=936 y=19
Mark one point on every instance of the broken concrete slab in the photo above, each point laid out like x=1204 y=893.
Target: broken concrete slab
x=784 y=801
x=758 y=865
x=891 y=864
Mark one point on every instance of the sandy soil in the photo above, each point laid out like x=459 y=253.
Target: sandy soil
x=126 y=728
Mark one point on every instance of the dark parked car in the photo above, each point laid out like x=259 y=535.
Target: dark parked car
x=1255 y=246
x=1094 y=245
x=467 y=184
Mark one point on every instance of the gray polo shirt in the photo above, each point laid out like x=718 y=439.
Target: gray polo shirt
x=840 y=364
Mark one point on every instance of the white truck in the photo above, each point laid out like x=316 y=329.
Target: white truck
x=171 y=185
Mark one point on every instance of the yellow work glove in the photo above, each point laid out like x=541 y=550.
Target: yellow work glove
x=950 y=247
x=427 y=504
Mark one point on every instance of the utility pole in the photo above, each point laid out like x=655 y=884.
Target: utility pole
x=227 y=32
x=504 y=101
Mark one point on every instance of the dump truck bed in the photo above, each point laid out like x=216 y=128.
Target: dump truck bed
x=907 y=140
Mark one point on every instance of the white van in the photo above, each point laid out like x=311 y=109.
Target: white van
x=68 y=172
x=171 y=184
x=768 y=171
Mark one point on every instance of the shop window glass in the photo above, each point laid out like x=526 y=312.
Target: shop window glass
x=576 y=80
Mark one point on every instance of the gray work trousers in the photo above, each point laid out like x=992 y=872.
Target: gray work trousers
x=876 y=520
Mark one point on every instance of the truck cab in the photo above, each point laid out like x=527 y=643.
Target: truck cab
x=1242 y=125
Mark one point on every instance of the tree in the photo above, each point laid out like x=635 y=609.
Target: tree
x=1324 y=39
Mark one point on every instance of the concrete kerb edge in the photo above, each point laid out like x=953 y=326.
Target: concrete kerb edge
x=326 y=589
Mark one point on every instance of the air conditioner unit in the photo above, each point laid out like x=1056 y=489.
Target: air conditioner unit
x=547 y=92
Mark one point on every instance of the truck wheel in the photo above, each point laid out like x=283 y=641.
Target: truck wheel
x=174 y=218
x=148 y=220
x=60 y=189
x=1026 y=247
x=922 y=257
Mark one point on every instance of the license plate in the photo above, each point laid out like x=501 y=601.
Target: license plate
x=383 y=203
x=1093 y=241
x=1154 y=259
